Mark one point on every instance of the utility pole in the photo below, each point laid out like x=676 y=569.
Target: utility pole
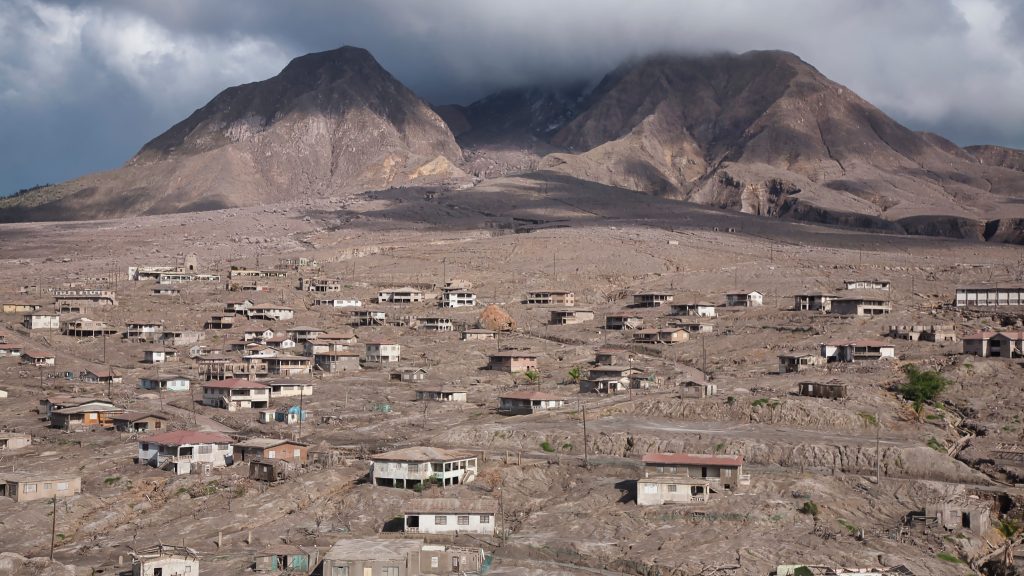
x=301 y=390
x=878 y=450
x=444 y=271
x=704 y=355
x=586 y=450
x=53 y=528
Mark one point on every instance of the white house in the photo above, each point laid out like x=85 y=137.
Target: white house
x=41 y=321
x=702 y=309
x=383 y=352
x=866 y=285
x=234 y=394
x=450 y=516
x=286 y=388
x=748 y=298
x=656 y=490
x=170 y=382
x=181 y=450
x=400 y=295
x=856 y=350
x=412 y=467
x=457 y=299
x=528 y=402
x=338 y=302
x=270 y=312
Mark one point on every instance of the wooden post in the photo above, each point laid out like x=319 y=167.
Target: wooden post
x=53 y=528
x=220 y=538
x=586 y=449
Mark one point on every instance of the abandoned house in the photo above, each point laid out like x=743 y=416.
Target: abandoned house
x=41 y=321
x=442 y=395
x=10 y=350
x=623 y=322
x=789 y=363
x=400 y=557
x=610 y=356
x=551 y=298
x=989 y=296
x=723 y=470
x=369 y=317
x=220 y=322
x=332 y=361
x=861 y=306
x=436 y=324
x=139 y=422
x=165 y=560
x=409 y=374
x=320 y=285
x=832 y=390
x=405 y=295
x=101 y=376
x=234 y=394
x=651 y=299
x=159 y=355
x=136 y=331
x=182 y=451
x=856 y=350
x=814 y=301
x=457 y=298
x=18 y=307
x=527 y=402
x=57 y=402
x=420 y=465
x=338 y=302
x=168 y=382
x=571 y=316
x=929 y=333
x=301 y=334
x=84 y=327
x=866 y=285
x=695 y=327
x=382 y=352
x=702 y=309
x=269 y=312
x=478 y=334
x=238 y=306
x=37 y=358
x=88 y=416
x=290 y=388
x=693 y=389
x=746 y=299
x=995 y=344
x=661 y=336
x=656 y=490
x=26 y=487
x=271 y=449
x=100 y=297
x=286 y=558
x=512 y=361
x=288 y=365
x=974 y=515
x=14 y=440
x=280 y=343
x=450 y=516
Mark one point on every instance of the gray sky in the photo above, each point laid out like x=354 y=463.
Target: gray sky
x=83 y=84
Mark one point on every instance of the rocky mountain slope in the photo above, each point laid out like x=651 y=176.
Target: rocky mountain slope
x=329 y=122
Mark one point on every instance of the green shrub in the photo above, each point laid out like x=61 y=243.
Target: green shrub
x=936 y=445
x=546 y=446
x=921 y=387
x=111 y=480
x=802 y=571
x=809 y=508
x=869 y=419
x=759 y=402
x=947 y=557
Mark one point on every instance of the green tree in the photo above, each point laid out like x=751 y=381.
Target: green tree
x=1010 y=530
x=575 y=374
x=532 y=375
x=921 y=386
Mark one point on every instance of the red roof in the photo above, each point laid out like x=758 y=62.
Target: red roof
x=235 y=383
x=530 y=395
x=693 y=459
x=181 y=437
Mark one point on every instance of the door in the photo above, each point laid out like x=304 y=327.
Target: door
x=455 y=563
x=367 y=571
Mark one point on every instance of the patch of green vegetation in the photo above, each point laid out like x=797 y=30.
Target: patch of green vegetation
x=933 y=417
x=760 y=402
x=947 y=557
x=802 y=571
x=181 y=491
x=936 y=445
x=809 y=508
x=567 y=446
x=869 y=419
x=111 y=480
x=719 y=447
x=546 y=446
x=968 y=365
x=921 y=387
x=850 y=527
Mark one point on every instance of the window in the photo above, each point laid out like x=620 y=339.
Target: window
x=271 y=454
x=650 y=488
x=204 y=449
x=144 y=447
x=673 y=488
x=463 y=520
x=440 y=520
x=62 y=486
x=389 y=571
x=297 y=452
x=47 y=485
x=434 y=561
x=485 y=519
x=340 y=571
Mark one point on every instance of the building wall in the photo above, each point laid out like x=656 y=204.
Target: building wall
x=359 y=567
x=44 y=489
x=170 y=566
x=649 y=493
x=449 y=523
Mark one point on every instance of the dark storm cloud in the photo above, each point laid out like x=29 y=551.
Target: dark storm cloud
x=83 y=84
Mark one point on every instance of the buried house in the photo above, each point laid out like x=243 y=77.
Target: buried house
x=420 y=465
